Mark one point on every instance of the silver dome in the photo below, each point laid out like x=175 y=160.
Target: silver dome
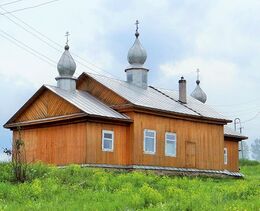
x=66 y=65
x=198 y=93
x=136 y=54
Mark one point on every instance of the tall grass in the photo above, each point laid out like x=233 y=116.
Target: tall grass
x=75 y=188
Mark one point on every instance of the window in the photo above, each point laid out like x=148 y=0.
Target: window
x=144 y=77
x=225 y=156
x=149 y=141
x=129 y=76
x=170 y=144
x=107 y=140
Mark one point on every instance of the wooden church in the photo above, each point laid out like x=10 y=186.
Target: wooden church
x=98 y=121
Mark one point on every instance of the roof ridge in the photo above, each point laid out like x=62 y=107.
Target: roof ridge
x=117 y=79
x=175 y=100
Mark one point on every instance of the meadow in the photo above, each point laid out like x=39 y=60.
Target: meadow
x=76 y=188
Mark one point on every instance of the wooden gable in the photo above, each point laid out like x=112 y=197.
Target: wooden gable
x=100 y=91
x=46 y=105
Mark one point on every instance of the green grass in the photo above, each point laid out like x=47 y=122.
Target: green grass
x=75 y=188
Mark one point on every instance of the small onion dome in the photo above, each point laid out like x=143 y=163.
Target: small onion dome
x=66 y=65
x=198 y=93
x=136 y=54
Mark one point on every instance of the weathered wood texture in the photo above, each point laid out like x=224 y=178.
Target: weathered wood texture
x=190 y=155
x=233 y=154
x=100 y=91
x=208 y=138
x=47 y=105
x=74 y=143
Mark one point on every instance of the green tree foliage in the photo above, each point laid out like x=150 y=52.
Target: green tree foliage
x=255 y=148
x=19 y=166
x=246 y=150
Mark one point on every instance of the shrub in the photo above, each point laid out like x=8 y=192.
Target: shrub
x=150 y=195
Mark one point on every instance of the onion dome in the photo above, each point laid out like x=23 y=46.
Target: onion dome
x=66 y=65
x=136 y=54
x=198 y=93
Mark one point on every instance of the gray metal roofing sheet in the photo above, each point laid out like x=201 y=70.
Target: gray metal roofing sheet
x=201 y=108
x=87 y=103
x=142 y=97
x=155 y=98
x=230 y=132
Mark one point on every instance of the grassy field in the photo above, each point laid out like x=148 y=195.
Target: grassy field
x=75 y=188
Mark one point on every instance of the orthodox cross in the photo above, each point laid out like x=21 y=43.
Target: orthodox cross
x=67 y=37
x=137 y=27
x=198 y=74
x=137 y=23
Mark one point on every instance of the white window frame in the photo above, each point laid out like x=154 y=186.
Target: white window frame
x=174 y=141
x=154 y=144
x=112 y=139
x=225 y=156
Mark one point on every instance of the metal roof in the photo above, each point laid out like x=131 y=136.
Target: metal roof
x=87 y=103
x=143 y=97
x=232 y=133
x=157 y=98
x=201 y=108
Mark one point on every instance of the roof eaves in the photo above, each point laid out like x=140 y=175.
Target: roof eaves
x=236 y=137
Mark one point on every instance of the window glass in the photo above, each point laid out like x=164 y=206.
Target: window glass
x=129 y=77
x=149 y=141
x=108 y=135
x=144 y=77
x=225 y=156
x=170 y=144
x=107 y=140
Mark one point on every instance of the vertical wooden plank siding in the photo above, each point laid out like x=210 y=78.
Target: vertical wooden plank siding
x=232 y=152
x=74 y=143
x=82 y=143
x=190 y=158
x=209 y=140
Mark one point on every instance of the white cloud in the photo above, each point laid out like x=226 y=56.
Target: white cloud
x=219 y=37
x=218 y=74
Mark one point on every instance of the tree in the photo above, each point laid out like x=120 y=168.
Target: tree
x=255 y=148
x=19 y=166
x=245 y=149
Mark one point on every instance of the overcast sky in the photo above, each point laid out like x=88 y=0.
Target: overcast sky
x=221 y=37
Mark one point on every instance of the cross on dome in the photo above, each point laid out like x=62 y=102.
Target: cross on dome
x=137 y=27
x=198 y=93
x=137 y=54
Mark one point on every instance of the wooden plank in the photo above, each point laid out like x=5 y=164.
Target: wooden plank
x=47 y=105
x=233 y=155
x=74 y=143
x=101 y=92
x=190 y=158
x=209 y=140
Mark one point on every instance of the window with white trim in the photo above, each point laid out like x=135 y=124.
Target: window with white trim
x=170 y=144
x=149 y=141
x=107 y=140
x=225 y=156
